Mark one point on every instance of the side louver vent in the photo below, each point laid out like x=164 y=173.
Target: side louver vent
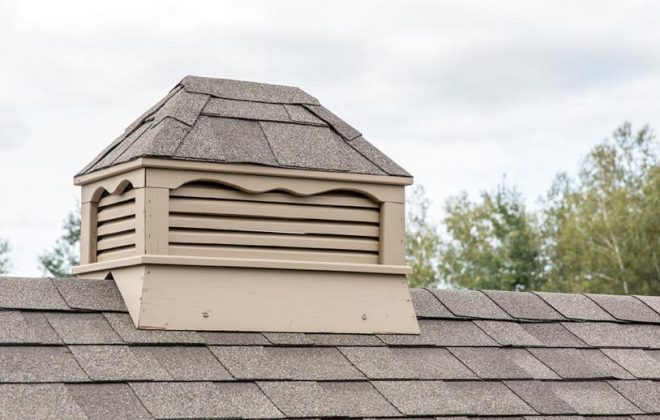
x=115 y=226
x=212 y=220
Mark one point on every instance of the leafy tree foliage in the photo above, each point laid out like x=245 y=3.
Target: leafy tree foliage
x=596 y=232
x=4 y=256
x=602 y=229
x=490 y=244
x=65 y=254
x=421 y=241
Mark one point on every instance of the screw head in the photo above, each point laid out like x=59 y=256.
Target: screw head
x=364 y=317
x=205 y=314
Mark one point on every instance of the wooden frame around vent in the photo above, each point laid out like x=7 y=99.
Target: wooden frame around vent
x=209 y=220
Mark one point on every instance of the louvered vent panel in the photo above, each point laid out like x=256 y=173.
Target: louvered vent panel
x=115 y=226
x=216 y=221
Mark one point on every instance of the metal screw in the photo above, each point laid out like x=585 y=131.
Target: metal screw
x=205 y=314
x=364 y=317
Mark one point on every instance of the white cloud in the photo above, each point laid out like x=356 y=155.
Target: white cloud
x=459 y=92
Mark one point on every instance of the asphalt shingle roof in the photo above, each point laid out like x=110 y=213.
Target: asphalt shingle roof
x=231 y=121
x=68 y=349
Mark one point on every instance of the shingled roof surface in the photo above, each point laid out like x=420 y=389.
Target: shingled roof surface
x=70 y=351
x=220 y=120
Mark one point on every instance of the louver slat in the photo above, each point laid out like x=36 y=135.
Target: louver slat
x=215 y=221
x=115 y=228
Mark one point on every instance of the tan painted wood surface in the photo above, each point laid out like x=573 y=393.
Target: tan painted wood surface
x=235 y=299
x=264 y=239
x=243 y=262
x=274 y=254
x=273 y=210
x=327 y=199
x=162 y=178
x=392 y=239
x=238 y=169
x=88 y=233
x=122 y=225
x=116 y=254
x=109 y=200
x=156 y=220
x=115 y=184
x=116 y=212
x=268 y=225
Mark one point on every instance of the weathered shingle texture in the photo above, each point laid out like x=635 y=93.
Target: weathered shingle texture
x=230 y=121
x=68 y=349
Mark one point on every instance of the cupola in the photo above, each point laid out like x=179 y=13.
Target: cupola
x=241 y=206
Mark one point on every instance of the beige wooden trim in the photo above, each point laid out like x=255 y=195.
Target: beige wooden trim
x=392 y=239
x=109 y=200
x=110 y=228
x=256 y=184
x=244 y=299
x=116 y=212
x=116 y=241
x=140 y=221
x=239 y=169
x=286 y=211
x=274 y=254
x=88 y=233
x=328 y=199
x=156 y=221
x=113 y=185
x=243 y=262
x=272 y=240
x=116 y=254
x=274 y=226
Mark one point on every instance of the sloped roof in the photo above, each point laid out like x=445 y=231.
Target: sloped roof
x=220 y=120
x=68 y=349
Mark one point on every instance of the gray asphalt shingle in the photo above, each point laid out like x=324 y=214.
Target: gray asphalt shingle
x=183 y=106
x=499 y=363
x=640 y=363
x=442 y=333
x=524 y=305
x=247 y=91
x=626 y=308
x=428 y=398
x=652 y=302
x=83 y=328
x=308 y=136
x=300 y=339
x=226 y=140
x=204 y=400
x=233 y=338
x=318 y=363
x=39 y=364
x=508 y=333
x=406 y=363
x=105 y=401
x=644 y=394
x=553 y=334
x=38 y=401
x=190 y=363
x=470 y=304
x=259 y=111
x=427 y=305
x=608 y=334
x=119 y=363
x=585 y=398
x=574 y=306
x=381 y=160
x=321 y=399
x=315 y=147
x=580 y=363
x=123 y=325
x=340 y=126
x=30 y=293
x=20 y=327
x=93 y=295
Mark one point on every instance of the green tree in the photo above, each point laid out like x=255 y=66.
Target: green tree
x=602 y=228
x=65 y=254
x=493 y=243
x=421 y=241
x=4 y=256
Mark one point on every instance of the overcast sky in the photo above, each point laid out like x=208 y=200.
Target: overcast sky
x=457 y=92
